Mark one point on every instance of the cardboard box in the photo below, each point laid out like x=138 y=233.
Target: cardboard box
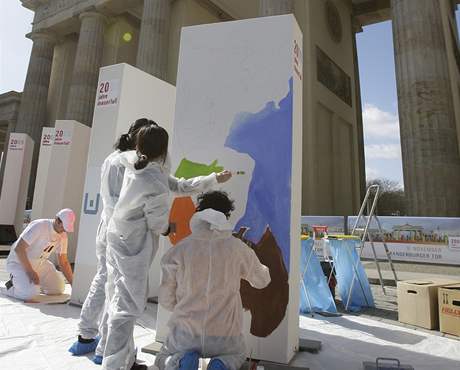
x=418 y=301
x=449 y=309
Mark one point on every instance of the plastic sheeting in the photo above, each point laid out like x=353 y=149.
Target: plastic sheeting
x=37 y=336
x=347 y=265
x=315 y=295
x=348 y=341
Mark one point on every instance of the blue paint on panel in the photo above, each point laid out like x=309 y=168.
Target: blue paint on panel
x=266 y=136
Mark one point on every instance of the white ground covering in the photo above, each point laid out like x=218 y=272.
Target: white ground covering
x=37 y=336
x=347 y=341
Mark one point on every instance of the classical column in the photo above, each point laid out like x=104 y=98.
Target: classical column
x=80 y=103
x=32 y=112
x=61 y=77
x=430 y=152
x=152 y=54
x=359 y=117
x=275 y=7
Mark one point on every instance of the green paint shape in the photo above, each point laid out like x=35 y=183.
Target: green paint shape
x=188 y=169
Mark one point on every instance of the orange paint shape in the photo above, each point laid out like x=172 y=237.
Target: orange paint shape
x=182 y=211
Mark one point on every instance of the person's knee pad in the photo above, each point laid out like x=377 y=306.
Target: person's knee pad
x=53 y=283
x=216 y=364
x=189 y=361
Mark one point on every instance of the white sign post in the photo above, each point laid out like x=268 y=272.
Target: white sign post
x=63 y=179
x=44 y=159
x=16 y=181
x=124 y=94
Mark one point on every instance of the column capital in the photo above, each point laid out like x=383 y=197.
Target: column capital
x=356 y=25
x=92 y=14
x=31 y=4
x=43 y=35
x=275 y=7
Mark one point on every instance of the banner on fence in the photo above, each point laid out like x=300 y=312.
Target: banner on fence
x=411 y=239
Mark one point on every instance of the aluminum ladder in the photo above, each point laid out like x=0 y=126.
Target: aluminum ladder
x=370 y=204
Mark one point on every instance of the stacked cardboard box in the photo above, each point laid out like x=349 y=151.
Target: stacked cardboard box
x=418 y=301
x=449 y=309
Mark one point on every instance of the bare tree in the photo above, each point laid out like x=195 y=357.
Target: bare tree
x=392 y=200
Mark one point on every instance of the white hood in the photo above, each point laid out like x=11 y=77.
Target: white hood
x=210 y=220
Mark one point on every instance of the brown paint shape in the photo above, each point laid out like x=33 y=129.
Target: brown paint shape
x=268 y=305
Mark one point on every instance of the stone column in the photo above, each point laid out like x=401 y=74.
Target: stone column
x=32 y=113
x=359 y=118
x=431 y=160
x=275 y=7
x=88 y=59
x=61 y=77
x=152 y=54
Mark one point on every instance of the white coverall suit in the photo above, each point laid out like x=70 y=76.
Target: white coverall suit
x=42 y=240
x=140 y=216
x=111 y=181
x=201 y=285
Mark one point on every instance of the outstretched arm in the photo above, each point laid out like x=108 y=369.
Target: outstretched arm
x=197 y=184
x=254 y=272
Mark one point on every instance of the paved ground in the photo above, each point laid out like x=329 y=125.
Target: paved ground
x=409 y=271
x=386 y=309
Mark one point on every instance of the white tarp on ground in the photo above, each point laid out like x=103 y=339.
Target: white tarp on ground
x=37 y=336
x=347 y=341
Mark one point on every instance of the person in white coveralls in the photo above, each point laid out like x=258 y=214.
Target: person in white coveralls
x=139 y=217
x=93 y=318
x=30 y=270
x=200 y=284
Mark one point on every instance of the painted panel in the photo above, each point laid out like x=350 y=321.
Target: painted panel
x=239 y=107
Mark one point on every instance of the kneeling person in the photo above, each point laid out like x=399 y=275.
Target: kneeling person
x=201 y=286
x=28 y=264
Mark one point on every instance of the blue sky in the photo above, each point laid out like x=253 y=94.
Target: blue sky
x=15 y=23
x=377 y=75
x=380 y=102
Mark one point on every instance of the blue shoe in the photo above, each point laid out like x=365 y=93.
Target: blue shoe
x=79 y=348
x=216 y=364
x=190 y=361
x=97 y=359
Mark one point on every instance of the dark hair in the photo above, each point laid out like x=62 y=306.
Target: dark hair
x=151 y=144
x=217 y=200
x=128 y=141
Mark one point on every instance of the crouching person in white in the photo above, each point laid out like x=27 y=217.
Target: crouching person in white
x=30 y=270
x=200 y=284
